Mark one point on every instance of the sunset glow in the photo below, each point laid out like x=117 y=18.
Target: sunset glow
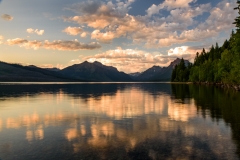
x=131 y=35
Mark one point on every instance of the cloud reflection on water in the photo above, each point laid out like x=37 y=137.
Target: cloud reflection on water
x=0 y=125
x=129 y=121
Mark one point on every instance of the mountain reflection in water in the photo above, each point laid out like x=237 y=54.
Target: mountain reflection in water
x=118 y=121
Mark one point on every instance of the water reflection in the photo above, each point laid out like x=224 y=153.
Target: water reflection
x=117 y=121
x=220 y=105
x=0 y=125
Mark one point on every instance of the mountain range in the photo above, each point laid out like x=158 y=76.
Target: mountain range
x=83 y=72
x=157 y=73
x=95 y=72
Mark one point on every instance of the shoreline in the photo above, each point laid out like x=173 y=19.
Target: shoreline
x=220 y=85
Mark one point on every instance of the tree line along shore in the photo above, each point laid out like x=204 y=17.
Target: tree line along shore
x=219 y=66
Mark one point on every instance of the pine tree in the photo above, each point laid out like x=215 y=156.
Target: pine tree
x=196 y=60
x=237 y=19
x=220 y=64
x=211 y=53
x=173 y=78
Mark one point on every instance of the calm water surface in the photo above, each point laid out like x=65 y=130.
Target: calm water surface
x=118 y=121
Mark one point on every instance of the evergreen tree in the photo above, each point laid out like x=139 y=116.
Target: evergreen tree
x=219 y=64
x=216 y=52
x=174 y=74
x=237 y=19
x=211 y=53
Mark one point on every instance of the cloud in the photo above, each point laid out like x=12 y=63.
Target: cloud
x=110 y=21
x=98 y=15
x=38 y=32
x=16 y=41
x=97 y=7
x=220 y=20
x=186 y=15
x=70 y=45
x=73 y=30
x=221 y=17
x=131 y=60
x=169 y=4
x=1 y=38
x=55 y=45
x=7 y=17
x=185 y=52
x=103 y=37
x=25 y=43
x=88 y=7
x=84 y=34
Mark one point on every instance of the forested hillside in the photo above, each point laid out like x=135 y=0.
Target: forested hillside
x=218 y=65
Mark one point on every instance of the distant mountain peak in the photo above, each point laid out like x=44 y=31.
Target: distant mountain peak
x=177 y=61
x=157 y=73
x=95 y=71
x=97 y=63
x=135 y=74
x=32 y=66
x=53 y=69
x=156 y=66
x=85 y=62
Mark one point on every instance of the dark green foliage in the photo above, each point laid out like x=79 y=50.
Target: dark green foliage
x=237 y=19
x=181 y=72
x=218 y=65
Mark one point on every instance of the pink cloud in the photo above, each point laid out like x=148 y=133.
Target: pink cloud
x=70 y=45
x=55 y=45
x=110 y=21
x=130 y=60
x=7 y=17
x=73 y=30
x=38 y=32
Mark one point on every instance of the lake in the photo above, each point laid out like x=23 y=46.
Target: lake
x=118 y=121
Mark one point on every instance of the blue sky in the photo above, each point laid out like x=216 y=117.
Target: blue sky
x=131 y=35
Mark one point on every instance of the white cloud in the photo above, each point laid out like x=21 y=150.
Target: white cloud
x=178 y=51
x=185 y=52
x=154 y=9
x=55 y=45
x=38 y=32
x=7 y=17
x=221 y=17
x=30 y=30
x=168 y=4
x=73 y=30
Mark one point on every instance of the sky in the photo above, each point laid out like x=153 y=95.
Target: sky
x=131 y=35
